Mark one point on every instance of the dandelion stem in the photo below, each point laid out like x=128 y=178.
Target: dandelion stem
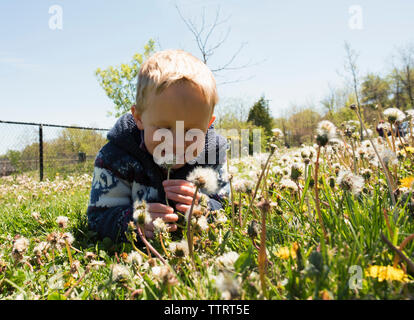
x=149 y=246
x=168 y=178
x=353 y=156
x=68 y=292
x=262 y=254
x=401 y=247
x=240 y=210
x=189 y=234
x=232 y=203
x=318 y=209
x=163 y=247
x=69 y=253
x=387 y=222
x=409 y=263
x=258 y=183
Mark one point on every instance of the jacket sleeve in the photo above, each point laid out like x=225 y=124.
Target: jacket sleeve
x=110 y=206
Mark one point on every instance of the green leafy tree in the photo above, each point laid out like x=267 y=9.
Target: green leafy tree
x=119 y=82
x=260 y=116
x=375 y=90
x=303 y=125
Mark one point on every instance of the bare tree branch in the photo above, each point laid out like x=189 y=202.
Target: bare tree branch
x=206 y=50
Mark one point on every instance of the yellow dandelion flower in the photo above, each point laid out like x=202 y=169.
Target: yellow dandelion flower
x=284 y=252
x=407 y=182
x=388 y=273
x=410 y=149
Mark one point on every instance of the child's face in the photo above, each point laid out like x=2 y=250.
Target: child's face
x=179 y=102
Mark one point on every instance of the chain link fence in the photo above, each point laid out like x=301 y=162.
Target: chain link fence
x=47 y=150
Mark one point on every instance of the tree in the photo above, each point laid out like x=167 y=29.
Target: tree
x=120 y=82
x=302 y=126
x=375 y=90
x=406 y=73
x=397 y=90
x=352 y=68
x=203 y=34
x=375 y=93
x=260 y=116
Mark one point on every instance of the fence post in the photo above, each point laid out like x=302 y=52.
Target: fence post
x=41 y=151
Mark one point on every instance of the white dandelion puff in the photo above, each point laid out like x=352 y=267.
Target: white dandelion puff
x=179 y=249
x=141 y=216
x=68 y=237
x=228 y=285
x=120 y=273
x=62 y=221
x=204 y=178
x=325 y=130
x=160 y=226
x=202 y=223
x=134 y=258
x=228 y=259
x=286 y=183
x=347 y=181
x=20 y=245
x=394 y=114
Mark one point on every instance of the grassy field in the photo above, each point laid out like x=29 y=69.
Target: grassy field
x=317 y=228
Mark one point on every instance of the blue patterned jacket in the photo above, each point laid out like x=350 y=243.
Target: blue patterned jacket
x=125 y=172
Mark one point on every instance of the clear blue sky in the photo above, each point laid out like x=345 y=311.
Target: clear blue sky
x=48 y=75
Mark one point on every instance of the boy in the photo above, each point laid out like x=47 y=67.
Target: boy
x=175 y=92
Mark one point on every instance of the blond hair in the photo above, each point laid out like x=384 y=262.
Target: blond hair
x=167 y=67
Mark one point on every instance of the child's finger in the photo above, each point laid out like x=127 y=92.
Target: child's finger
x=159 y=208
x=176 y=182
x=182 y=207
x=172 y=217
x=172 y=227
x=179 y=198
x=184 y=190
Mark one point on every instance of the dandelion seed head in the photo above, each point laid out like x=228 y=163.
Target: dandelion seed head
x=160 y=226
x=228 y=285
x=388 y=157
x=20 y=245
x=394 y=114
x=347 y=181
x=179 y=249
x=204 y=178
x=120 y=273
x=326 y=131
x=243 y=185
x=277 y=133
x=141 y=216
x=40 y=248
x=202 y=223
x=36 y=215
x=68 y=237
x=228 y=259
x=134 y=258
x=286 y=183
x=62 y=221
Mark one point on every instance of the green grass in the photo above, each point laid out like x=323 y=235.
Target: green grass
x=318 y=269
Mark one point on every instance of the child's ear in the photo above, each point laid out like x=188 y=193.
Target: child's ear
x=137 y=117
x=213 y=117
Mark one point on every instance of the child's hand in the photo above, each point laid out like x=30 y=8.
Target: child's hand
x=159 y=210
x=180 y=191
